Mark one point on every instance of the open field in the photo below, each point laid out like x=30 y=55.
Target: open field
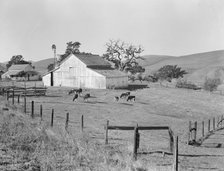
x=153 y=107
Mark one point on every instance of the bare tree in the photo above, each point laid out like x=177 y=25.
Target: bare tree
x=123 y=55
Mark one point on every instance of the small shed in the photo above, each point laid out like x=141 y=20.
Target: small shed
x=21 y=72
x=85 y=71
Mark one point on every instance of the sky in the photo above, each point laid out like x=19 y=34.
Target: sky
x=163 y=27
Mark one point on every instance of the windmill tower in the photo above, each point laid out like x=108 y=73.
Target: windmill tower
x=54 y=50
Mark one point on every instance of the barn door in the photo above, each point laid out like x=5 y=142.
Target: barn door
x=52 y=79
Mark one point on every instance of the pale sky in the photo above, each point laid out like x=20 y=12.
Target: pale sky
x=168 y=27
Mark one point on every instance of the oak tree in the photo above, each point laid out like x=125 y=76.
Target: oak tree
x=123 y=55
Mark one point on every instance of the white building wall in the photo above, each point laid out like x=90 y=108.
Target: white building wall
x=74 y=73
x=47 y=79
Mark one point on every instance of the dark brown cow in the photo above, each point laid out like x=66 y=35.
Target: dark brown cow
x=86 y=97
x=75 y=97
x=125 y=95
x=130 y=98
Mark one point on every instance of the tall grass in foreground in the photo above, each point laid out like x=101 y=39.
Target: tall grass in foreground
x=26 y=144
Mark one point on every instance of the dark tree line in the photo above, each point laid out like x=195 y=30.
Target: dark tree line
x=16 y=59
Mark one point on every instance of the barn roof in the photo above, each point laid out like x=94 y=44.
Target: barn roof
x=92 y=60
x=18 y=67
x=110 y=72
x=12 y=72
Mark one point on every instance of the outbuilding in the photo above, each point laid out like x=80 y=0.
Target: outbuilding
x=85 y=71
x=20 y=72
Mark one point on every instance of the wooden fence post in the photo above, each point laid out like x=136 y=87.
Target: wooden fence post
x=171 y=140
x=217 y=120
x=202 y=129
x=213 y=123
x=195 y=131
x=82 y=123
x=13 y=94
x=175 y=155
x=135 y=148
x=7 y=94
x=66 y=122
x=189 y=133
x=221 y=120
x=24 y=104
x=106 y=133
x=18 y=100
x=209 y=125
x=32 y=109
x=52 y=118
x=41 y=112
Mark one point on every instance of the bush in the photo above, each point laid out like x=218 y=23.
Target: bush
x=140 y=77
x=150 y=78
x=131 y=78
x=187 y=85
x=211 y=84
x=168 y=72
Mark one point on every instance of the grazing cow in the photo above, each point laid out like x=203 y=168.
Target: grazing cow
x=116 y=98
x=75 y=97
x=130 y=98
x=71 y=91
x=125 y=95
x=79 y=91
x=86 y=97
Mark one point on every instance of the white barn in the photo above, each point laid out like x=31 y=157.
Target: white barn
x=85 y=71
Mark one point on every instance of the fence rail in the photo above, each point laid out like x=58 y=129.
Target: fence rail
x=173 y=145
x=213 y=125
x=31 y=91
x=139 y=127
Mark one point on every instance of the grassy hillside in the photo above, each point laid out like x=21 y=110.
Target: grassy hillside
x=198 y=65
x=149 y=60
x=2 y=66
x=42 y=65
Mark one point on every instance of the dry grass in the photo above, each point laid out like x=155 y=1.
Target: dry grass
x=55 y=149
x=30 y=145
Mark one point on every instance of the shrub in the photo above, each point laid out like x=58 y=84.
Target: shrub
x=150 y=78
x=168 y=72
x=187 y=85
x=140 y=77
x=211 y=84
x=131 y=78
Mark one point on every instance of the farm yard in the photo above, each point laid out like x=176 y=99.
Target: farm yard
x=154 y=106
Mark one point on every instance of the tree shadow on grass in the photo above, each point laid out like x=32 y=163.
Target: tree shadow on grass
x=128 y=104
x=212 y=145
x=50 y=96
x=184 y=155
x=143 y=103
x=96 y=102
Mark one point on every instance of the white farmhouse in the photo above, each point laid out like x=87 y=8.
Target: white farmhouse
x=85 y=71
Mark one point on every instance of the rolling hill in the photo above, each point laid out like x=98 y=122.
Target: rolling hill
x=2 y=67
x=199 y=66
x=41 y=66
